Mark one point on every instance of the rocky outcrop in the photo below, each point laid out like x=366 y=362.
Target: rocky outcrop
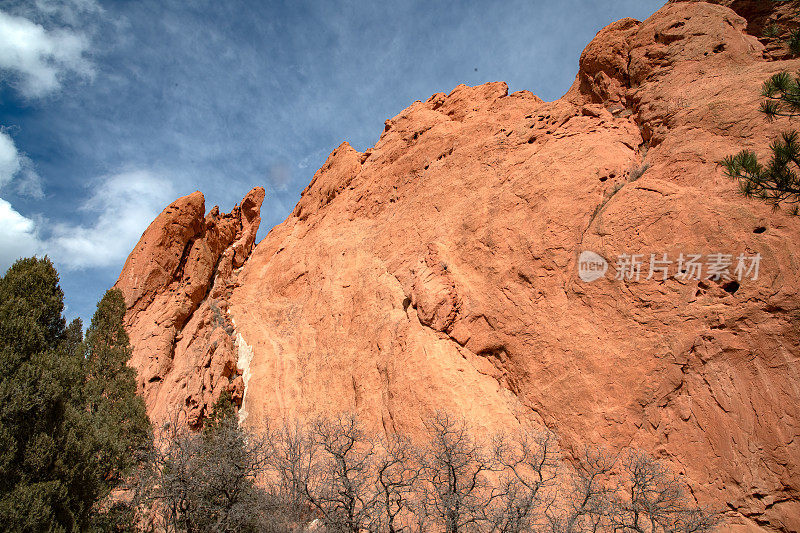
x=771 y=22
x=439 y=269
x=176 y=283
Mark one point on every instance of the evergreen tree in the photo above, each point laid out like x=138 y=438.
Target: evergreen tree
x=118 y=413
x=49 y=470
x=777 y=182
x=69 y=417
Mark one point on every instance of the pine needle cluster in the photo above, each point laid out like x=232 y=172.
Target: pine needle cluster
x=778 y=181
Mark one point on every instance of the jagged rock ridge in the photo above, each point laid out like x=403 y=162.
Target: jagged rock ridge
x=438 y=269
x=176 y=282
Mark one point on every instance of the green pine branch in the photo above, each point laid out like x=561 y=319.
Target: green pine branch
x=782 y=93
x=777 y=182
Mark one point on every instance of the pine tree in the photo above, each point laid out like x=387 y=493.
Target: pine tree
x=118 y=413
x=778 y=182
x=69 y=417
x=49 y=471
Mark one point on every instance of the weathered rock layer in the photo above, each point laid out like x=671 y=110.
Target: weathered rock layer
x=438 y=269
x=176 y=284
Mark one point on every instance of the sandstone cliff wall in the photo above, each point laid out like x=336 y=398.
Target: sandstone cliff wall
x=438 y=269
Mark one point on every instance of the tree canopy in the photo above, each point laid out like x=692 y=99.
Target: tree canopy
x=69 y=415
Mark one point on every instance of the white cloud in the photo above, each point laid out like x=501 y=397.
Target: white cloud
x=17 y=166
x=9 y=159
x=28 y=183
x=35 y=59
x=122 y=207
x=71 y=12
x=18 y=238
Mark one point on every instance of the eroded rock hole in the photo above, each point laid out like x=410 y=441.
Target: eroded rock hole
x=731 y=286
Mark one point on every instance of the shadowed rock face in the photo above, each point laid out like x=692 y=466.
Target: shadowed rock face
x=438 y=269
x=760 y=17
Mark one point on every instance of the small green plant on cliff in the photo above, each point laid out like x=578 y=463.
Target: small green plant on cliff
x=774 y=30
x=794 y=42
x=771 y=31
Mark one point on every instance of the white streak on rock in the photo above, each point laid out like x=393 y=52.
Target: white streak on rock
x=245 y=355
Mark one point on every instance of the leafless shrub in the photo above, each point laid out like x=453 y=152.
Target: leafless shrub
x=455 y=469
x=292 y=461
x=168 y=475
x=652 y=499
x=343 y=493
x=587 y=493
x=330 y=475
x=206 y=481
x=529 y=466
x=397 y=472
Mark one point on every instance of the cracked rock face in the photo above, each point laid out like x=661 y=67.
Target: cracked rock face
x=176 y=284
x=438 y=269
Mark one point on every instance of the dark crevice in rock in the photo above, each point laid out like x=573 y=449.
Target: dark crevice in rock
x=731 y=286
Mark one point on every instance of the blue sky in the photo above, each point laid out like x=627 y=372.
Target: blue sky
x=111 y=110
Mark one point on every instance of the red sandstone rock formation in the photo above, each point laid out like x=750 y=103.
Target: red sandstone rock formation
x=438 y=269
x=176 y=284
